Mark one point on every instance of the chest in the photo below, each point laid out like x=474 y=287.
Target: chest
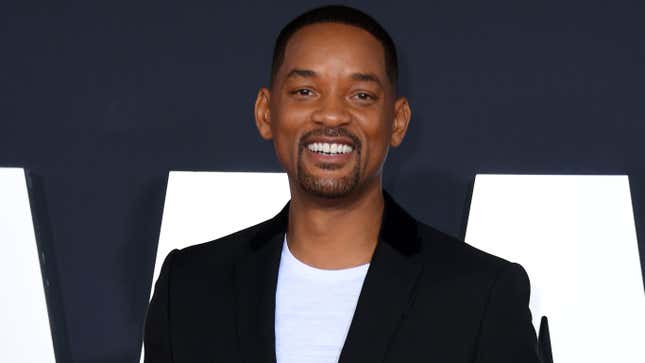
x=312 y=317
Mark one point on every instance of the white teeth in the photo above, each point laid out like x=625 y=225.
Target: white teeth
x=327 y=148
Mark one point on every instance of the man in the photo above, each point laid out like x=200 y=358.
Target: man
x=342 y=273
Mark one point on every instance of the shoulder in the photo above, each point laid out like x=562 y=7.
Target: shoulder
x=464 y=277
x=446 y=255
x=460 y=259
x=217 y=254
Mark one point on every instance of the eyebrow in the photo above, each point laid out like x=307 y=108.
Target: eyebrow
x=367 y=77
x=304 y=73
x=362 y=77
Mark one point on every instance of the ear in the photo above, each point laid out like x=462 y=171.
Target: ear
x=263 y=114
x=402 y=115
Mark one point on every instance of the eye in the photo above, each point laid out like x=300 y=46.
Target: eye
x=303 y=92
x=364 y=96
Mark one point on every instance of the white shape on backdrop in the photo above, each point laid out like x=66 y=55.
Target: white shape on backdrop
x=576 y=237
x=202 y=206
x=25 y=334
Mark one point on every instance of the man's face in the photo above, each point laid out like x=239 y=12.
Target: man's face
x=331 y=111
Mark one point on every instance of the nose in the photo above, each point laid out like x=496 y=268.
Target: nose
x=331 y=112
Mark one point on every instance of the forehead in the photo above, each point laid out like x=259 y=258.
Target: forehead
x=334 y=48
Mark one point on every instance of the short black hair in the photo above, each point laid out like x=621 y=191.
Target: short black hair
x=343 y=15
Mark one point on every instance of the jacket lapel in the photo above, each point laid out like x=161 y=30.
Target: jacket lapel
x=256 y=278
x=386 y=294
x=388 y=289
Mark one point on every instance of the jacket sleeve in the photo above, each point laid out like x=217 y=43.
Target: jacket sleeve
x=506 y=332
x=156 y=336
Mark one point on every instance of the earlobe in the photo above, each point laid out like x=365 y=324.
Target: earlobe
x=402 y=116
x=263 y=114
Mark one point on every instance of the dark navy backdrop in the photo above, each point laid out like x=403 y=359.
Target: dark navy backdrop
x=100 y=99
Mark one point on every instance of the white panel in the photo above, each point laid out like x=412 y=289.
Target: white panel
x=202 y=206
x=576 y=237
x=25 y=335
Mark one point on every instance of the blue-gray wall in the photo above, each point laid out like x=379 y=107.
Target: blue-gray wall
x=99 y=99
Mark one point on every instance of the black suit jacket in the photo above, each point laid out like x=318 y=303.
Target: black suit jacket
x=427 y=297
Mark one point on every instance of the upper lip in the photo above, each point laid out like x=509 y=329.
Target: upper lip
x=330 y=140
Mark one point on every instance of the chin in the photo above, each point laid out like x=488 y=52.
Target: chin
x=328 y=188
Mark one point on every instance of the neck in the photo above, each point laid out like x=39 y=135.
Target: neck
x=335 y=233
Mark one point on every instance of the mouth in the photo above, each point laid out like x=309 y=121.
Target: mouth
x=329 y=155
x=330 y=149
x=326 y=148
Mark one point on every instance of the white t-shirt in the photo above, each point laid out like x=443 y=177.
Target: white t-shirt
x=314 y=308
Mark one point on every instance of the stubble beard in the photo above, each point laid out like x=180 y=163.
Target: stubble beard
x=327 y=187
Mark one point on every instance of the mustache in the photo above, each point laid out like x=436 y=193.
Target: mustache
x=330 y=132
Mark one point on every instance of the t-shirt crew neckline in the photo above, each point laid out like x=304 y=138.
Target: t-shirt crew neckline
x=289 y=261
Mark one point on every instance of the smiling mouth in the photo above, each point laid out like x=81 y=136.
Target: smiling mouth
x=325 y=148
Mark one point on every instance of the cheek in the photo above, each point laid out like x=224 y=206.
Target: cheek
x=285 y=131
x=376 y=155
x=378 y=135
x=283 y=147
x=280 y=153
